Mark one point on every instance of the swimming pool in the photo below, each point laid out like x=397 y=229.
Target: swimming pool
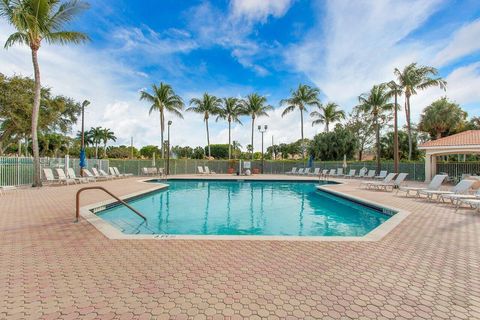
x=230 y=207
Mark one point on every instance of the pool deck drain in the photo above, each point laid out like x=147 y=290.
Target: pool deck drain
x=51 y=268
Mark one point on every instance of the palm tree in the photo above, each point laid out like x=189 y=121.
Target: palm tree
x=301 y=98
x=231 y=110
x=107 y=135
x=163 y=99
x=327 y=114
x=255 y=106
x=208 y=105
x=396 y=91
x=376 y=103
x=35 y=21
x=97 y=136
x=412 y=79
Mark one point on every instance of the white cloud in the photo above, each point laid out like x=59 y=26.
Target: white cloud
x=359 y=43
x=255 y=10
x=232 y=30
x=462 y=88
x=463 y=42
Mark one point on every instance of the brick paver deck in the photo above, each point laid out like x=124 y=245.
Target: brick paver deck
x=428 y=267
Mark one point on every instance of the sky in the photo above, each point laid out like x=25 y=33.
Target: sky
x=236 y=47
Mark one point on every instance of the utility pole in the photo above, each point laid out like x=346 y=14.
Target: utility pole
x=131 y=147
x=262 y=131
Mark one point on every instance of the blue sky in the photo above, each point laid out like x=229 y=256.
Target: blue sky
x=233 y=48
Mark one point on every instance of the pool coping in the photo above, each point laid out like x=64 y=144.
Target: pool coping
x=109 y=231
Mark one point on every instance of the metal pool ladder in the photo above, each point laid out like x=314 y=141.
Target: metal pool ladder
x=77 y=215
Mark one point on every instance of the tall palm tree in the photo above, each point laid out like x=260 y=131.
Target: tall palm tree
x=207 y=105
x=327 y=114
x=376 y=103
x=301 y=98
x=255 y=106
x=414 y=78
x=107 y=135
x=97 y=136
x=163 y=99
x=230 y=110
x=35 y=21
x=396 y=91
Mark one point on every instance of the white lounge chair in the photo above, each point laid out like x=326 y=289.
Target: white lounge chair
x=316 y=172
x=72 y=175
x=370 y=174
x=351 y=173
x=63 y=177
x=460 y=188
x=381 y=175
x=392 y=184
x=200 y=170
x=49 y=177
x=306 y=172
x=473 y=203
x=374 y=184
x=300 y=171
x=103 y=175
x=112 y=172
x=115 y=169
x=435 y=184
x=332 y=172
x=90 y=175
x=293 y=171
x=456 y=199
x=339 y=172
x=207 y=170
x=361 y=173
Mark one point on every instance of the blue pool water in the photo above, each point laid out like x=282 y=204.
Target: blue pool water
x=200 y=207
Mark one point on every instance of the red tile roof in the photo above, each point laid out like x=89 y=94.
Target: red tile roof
x=470 y=137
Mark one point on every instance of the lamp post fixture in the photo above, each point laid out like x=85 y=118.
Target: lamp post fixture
x=82 y=148
x=168 y=146
x=262 y=131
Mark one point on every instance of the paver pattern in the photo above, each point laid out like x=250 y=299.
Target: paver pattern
x=428 y=267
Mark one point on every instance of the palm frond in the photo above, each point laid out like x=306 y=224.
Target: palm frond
x=64 y=37
x=17 y=37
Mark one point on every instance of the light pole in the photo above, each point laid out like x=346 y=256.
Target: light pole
x=262 y=131
x=168 y=146
x=82 y=149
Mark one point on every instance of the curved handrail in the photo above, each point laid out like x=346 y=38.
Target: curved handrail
x=111 y=194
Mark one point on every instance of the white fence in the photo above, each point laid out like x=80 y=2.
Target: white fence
x=17 y=171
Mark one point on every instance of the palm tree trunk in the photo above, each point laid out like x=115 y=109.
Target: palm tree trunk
x=395 y=138
x=208 y=138
x=326 y=126
x=229 y=139
x=409 y=127
x=377 y=137
x=253 y=125
x=162 y=124
x=105 y=150
x=37 y=178
x=301 y=124
x=96 y=150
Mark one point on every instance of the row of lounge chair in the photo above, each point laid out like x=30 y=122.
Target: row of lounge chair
x=69 y=176
x=457 y=195
x=363 y=173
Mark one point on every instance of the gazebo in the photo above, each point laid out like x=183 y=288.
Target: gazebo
x=467 y=142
